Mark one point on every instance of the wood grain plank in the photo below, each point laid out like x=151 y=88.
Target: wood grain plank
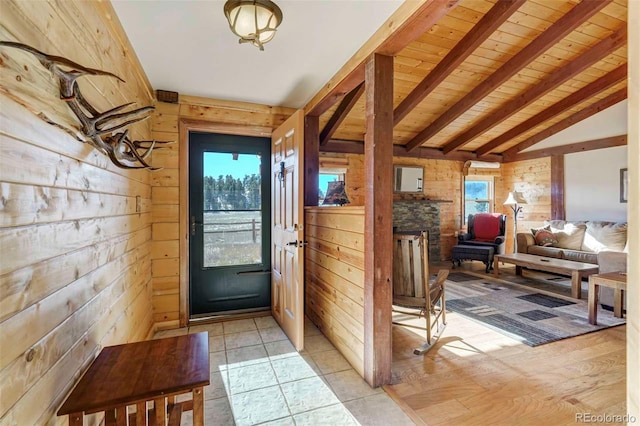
x=587 y=112
x=478 y=34
x=570 y=70
x=552 y=35
x=565 y=104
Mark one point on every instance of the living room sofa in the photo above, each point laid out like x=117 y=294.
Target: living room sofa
x=599 y=242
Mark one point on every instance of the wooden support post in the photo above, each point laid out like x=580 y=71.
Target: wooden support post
x=378 y=164
x=311 y=159
x=557 y=187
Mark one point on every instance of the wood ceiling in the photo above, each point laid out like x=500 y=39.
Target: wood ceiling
x=491 y=78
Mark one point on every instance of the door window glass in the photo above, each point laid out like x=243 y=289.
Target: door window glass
x=232 y=215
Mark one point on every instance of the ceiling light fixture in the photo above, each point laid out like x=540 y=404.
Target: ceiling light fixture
x=254 y=21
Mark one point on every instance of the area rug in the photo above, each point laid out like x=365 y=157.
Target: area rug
x=532 y=310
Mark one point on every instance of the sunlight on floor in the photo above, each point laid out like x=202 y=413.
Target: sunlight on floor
x=257 y=377
x=448 y=342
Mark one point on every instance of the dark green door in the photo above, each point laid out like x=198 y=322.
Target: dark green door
x=230 y=237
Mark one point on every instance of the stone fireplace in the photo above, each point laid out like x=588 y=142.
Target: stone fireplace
x=409 y=215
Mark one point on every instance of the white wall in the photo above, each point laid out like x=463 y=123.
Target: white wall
x=592 y=184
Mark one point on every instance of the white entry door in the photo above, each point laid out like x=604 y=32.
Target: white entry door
x=287 y=285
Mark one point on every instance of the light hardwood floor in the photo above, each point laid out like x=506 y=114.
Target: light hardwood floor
x=477 y=376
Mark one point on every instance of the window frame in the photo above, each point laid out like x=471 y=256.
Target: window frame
x=340 y=172
x=491 y=188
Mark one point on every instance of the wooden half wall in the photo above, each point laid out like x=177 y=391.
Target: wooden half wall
x=75 y=231
x=334 y=277
x=227 y=117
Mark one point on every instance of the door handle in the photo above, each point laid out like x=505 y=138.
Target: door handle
x=193 y=225
x=298 y=243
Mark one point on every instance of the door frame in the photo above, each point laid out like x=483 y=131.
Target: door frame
x=185 y=126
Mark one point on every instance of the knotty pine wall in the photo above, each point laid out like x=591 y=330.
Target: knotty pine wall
x=443 y=181
x=532 y=178
x=75 y=231
x=165 y=185
x=334 y=277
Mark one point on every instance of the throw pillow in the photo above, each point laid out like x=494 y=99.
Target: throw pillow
x=545 y=238
x=534 y=231
x=571 y=235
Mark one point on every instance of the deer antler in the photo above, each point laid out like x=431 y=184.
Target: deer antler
x=119 y=148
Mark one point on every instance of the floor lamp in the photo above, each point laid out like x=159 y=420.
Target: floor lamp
x=512 y=201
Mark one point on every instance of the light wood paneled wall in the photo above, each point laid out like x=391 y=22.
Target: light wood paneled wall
x=75 y=231
x=334 y=277
x=443 y=181
x=532 y=178
x=165 y=191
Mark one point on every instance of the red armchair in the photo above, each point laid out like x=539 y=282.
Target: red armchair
x=485 y=229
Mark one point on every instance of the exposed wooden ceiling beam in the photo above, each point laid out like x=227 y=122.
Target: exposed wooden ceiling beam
x=410 y=21
x=571 y=148
x=576 y=98
x=553 y=81
x=499 y=13
x=587 y=112
x=341 y=113
x=357 y=147
x=556 y=32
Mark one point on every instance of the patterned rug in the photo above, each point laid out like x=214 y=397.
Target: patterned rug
x=533 y=309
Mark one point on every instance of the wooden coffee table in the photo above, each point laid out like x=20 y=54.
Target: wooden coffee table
x=137 y=373
x=576 y=270
x=615 y=280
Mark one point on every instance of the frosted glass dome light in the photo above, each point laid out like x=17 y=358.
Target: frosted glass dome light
x=254 y=21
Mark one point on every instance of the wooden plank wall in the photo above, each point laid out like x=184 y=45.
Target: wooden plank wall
x=334 y=277
x=532 y=178
x=75 y=231
x=165 y=186
x=443 y=181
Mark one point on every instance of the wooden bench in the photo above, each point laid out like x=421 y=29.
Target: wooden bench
x=136 y=374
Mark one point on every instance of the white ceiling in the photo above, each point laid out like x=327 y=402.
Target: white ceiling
x=186 y=46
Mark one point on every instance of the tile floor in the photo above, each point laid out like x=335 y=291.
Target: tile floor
x=257 y=377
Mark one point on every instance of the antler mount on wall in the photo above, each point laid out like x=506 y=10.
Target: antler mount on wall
x=103 y=130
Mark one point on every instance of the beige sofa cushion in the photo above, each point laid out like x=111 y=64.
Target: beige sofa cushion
x=600 y=236
x=569 y=234
x=580 y=256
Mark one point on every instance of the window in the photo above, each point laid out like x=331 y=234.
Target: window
x=478 y=195
x=324 y=179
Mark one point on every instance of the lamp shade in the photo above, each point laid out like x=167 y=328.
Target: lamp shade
x=254 y=21
x=336 y=194
x=514 y=198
